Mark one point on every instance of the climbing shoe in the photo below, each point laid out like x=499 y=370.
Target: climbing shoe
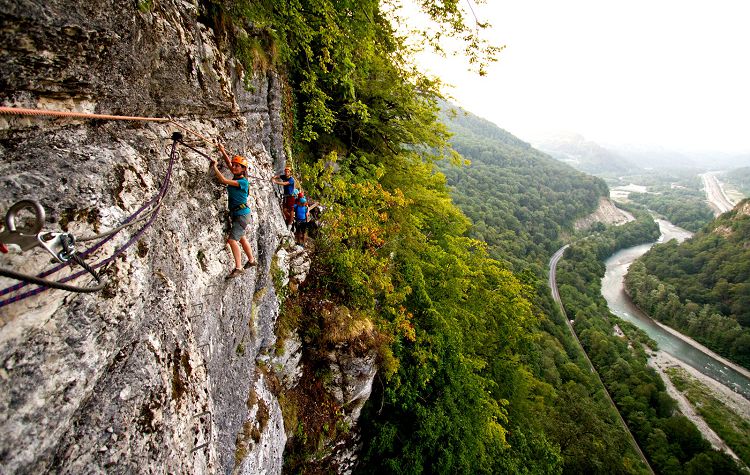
x=235 y=273
x=250 y=264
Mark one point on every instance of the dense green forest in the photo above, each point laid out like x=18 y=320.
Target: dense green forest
x=477 y=373
x=670 y=441
x=675 y=194
x=702 y=286
x=519 y=199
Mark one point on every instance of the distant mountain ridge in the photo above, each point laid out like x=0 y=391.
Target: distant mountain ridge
x=649 y=156
x=586 y=156
x=622 y=159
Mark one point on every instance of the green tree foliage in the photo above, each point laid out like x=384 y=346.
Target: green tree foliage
x=670 y=441
x=681 y=200
x=349 y=70
x=702 y=286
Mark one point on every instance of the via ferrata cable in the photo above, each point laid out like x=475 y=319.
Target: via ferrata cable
x=39 y=279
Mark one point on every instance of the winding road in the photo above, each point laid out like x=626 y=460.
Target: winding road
x=556 y=296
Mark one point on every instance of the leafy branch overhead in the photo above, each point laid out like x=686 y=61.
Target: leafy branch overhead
x=348 y=66
x=447 y=322
x=455 y=23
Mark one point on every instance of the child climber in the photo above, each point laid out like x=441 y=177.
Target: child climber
x=287 y=181
x=301 y=217
x=238 y=189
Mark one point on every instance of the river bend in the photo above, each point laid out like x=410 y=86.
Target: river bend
x=619 y=304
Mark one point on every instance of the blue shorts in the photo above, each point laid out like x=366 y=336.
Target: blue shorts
x=239 y=223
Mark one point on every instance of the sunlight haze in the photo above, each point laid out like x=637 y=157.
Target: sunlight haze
x=669 y=73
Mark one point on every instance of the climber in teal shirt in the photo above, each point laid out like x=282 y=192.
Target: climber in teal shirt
x=238 y=190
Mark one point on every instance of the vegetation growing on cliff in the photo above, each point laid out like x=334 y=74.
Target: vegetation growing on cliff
x=465 y=373
x=393 y=249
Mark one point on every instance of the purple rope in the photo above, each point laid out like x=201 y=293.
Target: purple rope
x=135 y=237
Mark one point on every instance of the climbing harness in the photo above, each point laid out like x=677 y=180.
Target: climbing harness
x=153 y=205
x=239 y=207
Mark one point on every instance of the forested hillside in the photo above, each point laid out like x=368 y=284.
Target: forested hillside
x=702 y=286
x=519 y=199
x=506 y=186
x=669 y=440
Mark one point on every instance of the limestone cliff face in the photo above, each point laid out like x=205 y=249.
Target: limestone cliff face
x=158 y=372
x=606 y=213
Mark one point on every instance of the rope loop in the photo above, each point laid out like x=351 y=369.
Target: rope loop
x=154 y=203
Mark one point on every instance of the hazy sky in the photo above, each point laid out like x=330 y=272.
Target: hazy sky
x=674 y=73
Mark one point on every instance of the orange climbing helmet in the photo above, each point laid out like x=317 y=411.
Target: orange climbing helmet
x=240 y=159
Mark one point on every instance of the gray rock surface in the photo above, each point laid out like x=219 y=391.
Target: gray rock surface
x=169 y=369
x=606 y=213
x=157 y=373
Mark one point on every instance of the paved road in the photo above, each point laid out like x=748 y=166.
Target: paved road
x=715 y=194
x=556 y=296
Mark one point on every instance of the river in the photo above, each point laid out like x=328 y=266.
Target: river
x=619 y=304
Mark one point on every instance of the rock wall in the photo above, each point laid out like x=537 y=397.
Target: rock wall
x=156 y=373
x=606 y=213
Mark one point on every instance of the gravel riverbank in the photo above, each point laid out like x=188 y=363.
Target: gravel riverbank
x=661 y=360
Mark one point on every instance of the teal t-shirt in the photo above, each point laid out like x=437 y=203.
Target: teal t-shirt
x=238 y=197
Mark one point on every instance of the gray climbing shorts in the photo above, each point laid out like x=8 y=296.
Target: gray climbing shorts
x=239 y=223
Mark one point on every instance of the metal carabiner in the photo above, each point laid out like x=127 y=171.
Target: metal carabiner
x=60 y=245
x=26 y=239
